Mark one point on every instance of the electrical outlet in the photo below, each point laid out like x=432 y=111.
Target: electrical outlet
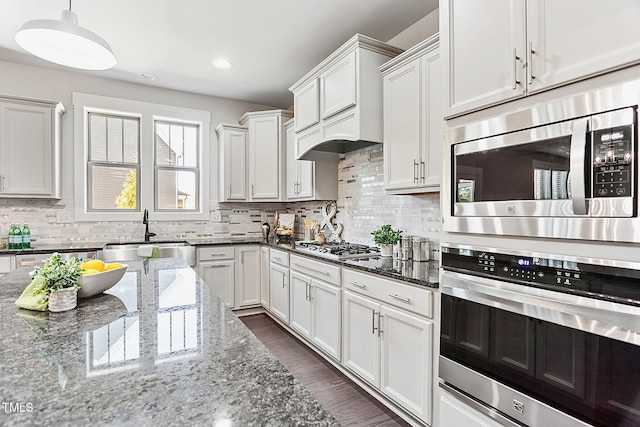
x=215 y=216
x=263 y=217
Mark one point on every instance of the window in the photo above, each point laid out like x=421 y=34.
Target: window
x=132 y=155
x=113 y=169
x=176 y=166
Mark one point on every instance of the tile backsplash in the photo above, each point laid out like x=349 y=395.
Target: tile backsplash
x=362 y=207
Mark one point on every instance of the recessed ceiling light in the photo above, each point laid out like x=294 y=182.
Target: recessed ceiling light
x=222 y=63
x=148 y=76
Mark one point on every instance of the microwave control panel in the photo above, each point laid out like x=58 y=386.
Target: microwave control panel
x=613 y=154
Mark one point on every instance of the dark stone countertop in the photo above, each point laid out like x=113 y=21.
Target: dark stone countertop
x=424 y=274
x=416 y=273
x=159 y=349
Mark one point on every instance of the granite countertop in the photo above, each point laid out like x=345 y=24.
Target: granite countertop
x=159 y=349
x=416 y=273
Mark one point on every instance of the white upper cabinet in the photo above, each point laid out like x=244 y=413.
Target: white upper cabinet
x=232 y=176
x=266 y=154
x=30 y=148
x=338 y=86
x=301 y=179
x=413 y=119
x=498 y=50
x=341 y=98
x=306 y=105
x=572 y=39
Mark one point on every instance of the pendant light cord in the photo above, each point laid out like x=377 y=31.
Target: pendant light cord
x=69 y=4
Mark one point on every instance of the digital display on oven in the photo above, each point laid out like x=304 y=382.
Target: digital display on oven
x=522 y=262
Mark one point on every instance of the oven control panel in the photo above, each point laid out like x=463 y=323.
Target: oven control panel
x=514 y=268
x=613 y=162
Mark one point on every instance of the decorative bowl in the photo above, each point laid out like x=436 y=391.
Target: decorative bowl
x=94 y=284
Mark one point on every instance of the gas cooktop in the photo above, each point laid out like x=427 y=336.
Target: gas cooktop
x=338 y=251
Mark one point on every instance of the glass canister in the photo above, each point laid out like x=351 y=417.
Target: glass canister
x=405 y=247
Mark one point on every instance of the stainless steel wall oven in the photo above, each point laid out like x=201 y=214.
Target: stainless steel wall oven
x=539 y=339
x=563 y=169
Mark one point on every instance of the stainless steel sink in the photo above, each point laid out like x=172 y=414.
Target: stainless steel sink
x=129 y=251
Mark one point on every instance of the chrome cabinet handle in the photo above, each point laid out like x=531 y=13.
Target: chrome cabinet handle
x=516 y=58
x=253 y=189
x=373 y=322
x=530 y=53
x=415 y=171
x=326 y=273
x=283 y=285
x=399 y=298
x=576 y=167
x=380 y=316
x=356 y=284
x=2 y=180
x=423 y=169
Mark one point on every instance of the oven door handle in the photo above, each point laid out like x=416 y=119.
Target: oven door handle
x=577 y=166
x=474 y=404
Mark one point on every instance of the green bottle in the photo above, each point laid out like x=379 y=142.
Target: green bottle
x=13 y=238
x=26 y=237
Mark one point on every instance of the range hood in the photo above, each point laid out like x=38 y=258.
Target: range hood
x=320 y=150
x=338 y=105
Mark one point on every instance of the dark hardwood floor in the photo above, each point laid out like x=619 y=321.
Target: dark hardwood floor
x=346 y=401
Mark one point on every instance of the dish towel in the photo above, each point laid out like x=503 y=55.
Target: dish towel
x=38 y=302
x=148 y=251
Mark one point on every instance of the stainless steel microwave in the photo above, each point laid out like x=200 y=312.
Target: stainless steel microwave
x=565 y=169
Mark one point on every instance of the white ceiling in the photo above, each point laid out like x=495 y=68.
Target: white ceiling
x=272 y=43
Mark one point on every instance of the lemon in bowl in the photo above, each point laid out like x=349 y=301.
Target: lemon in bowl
x=99 y=276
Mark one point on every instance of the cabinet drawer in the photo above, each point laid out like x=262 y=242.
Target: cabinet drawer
x=213 y=253
x=279 y=257
x=408 y=297
x=318 y=269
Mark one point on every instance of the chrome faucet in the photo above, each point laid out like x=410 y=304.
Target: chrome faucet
x=145 y=221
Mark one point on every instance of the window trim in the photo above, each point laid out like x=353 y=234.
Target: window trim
x=148 y=113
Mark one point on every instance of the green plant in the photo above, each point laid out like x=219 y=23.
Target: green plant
x=385 y=235
x=57 y=274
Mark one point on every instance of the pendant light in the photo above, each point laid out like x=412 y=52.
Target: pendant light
x=66 y=43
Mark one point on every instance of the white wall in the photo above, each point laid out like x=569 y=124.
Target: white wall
x=421 y=30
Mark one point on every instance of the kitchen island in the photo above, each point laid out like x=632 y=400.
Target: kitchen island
x=158 y=349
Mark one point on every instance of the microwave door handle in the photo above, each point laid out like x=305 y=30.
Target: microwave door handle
x=577 y=162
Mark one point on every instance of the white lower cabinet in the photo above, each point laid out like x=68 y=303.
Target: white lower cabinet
x=264 y=276
x=216 y=266
x=233 y=273
x=388 y=346
x=247 y=276
x=454 y=412
x=279 y=284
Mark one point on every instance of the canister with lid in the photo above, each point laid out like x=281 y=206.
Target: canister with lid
x=420 y=248
x=405 y=247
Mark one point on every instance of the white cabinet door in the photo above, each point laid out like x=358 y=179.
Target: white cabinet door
x=431 y=149
x=220 y=276
x=326 y=317
x=248 y=277
x=264 y=276
x=338 y=86
x=233 y=161
x=402 y=126
x=27 y=150
x=360 y=343
x=279 y=291
x=562 y=48
x=264 y=157
x=306 y=104
x=453 y=412
x=300 y=173
x=406 y=360
x=300 y=314
x=484 y=47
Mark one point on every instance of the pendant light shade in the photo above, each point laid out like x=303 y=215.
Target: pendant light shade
x=66 y=43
